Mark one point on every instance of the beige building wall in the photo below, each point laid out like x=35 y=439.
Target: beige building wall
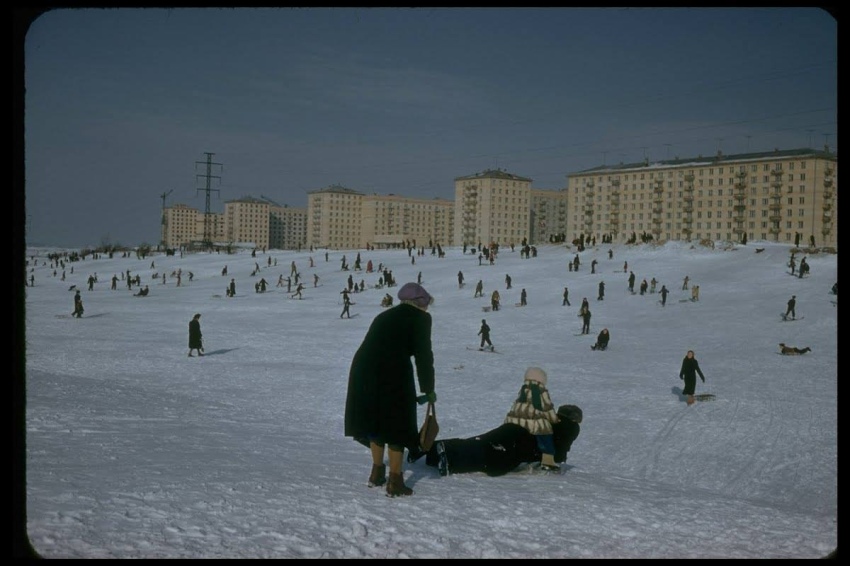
x=287 y=227
x=767 y=196
x=334 y=217
x=389 y=220
x=548 y=215
x=492 y=207
x=183 y=226
x=247 y=221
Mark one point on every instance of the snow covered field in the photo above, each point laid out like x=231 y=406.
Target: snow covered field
x=134 y=450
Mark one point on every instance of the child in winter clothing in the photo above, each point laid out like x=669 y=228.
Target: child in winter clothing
x=533 y=410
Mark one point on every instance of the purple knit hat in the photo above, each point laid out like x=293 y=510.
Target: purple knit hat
x=415 y=293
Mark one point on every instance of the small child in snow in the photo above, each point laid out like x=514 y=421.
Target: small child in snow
x=534 y=411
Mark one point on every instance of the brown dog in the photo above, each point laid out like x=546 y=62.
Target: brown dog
x=792 y=351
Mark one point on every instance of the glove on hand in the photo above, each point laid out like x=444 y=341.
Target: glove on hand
x=427 y=398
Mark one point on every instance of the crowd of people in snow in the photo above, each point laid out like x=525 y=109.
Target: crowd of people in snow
x=380 y=410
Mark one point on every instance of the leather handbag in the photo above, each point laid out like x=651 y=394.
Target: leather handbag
x=429 y=430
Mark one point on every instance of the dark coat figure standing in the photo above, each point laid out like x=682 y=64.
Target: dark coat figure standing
x=593 y=266
x=688 y=373
x=523 y=298
x=664 y=292
x=460 y=279
x=484 y=332
x=346 y=302
x=601 y=296
x=632 y=281
x=380 y=406
x=195 y=337
x=792 y=303
x=585 y=320
x=602 y=340
x=232 y=288
x=508 y=281
x=78 y=305
x=566 y=300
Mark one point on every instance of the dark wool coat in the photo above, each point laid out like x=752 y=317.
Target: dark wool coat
x=690 y=369
x=381 y=398
x=195 y=334
x=501 y=450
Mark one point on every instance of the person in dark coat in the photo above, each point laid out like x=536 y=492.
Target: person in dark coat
x=688 y=373
x=195 y=337
x=566 y=300
x=380 y=406
x=601 y=296
x=78 y=305
x=664 y=292
x=501 y=450
x=632 y=281
x=484 y=332
x=602 y=340
x=792 y=304
x=585 y=319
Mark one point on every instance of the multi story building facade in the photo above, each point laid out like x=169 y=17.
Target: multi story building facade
x=548 y=216
x=287 y=227
x=775 y=196
x=493 y=207
x=342 y=218
x=183 y=225
x=784 y=196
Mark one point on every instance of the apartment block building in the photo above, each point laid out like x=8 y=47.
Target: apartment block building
x=183 y=225
x=342 y=218
x=492 y=207
x=260 y=222
x=779 y=196
x=775 y=196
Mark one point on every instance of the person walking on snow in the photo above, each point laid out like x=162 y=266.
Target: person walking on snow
x=601 y=296
x=664 y=292
x=566 y=300
x=78 y=305
x=485 y=335
x=195 y=336
x=523 y=296
x=346 y=302
x=688 y=373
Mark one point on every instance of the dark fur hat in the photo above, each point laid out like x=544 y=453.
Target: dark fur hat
x=570 y=412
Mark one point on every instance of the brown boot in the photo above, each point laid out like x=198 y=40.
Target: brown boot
x=548 y=463
x=396 y=487
x=378 y=477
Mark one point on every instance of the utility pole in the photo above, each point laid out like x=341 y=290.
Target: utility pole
x=208 y=176
x=164 y=222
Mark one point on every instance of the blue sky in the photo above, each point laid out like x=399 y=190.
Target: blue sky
x=122 y=105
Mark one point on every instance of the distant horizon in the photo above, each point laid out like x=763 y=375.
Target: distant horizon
x=123 y=104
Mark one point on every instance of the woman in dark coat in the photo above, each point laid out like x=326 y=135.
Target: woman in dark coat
x=195 y=341
x=500 y=450
x=380 y=407
x=689 y=371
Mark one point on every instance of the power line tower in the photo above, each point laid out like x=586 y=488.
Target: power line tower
x=208 y=176
x=164 y=222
